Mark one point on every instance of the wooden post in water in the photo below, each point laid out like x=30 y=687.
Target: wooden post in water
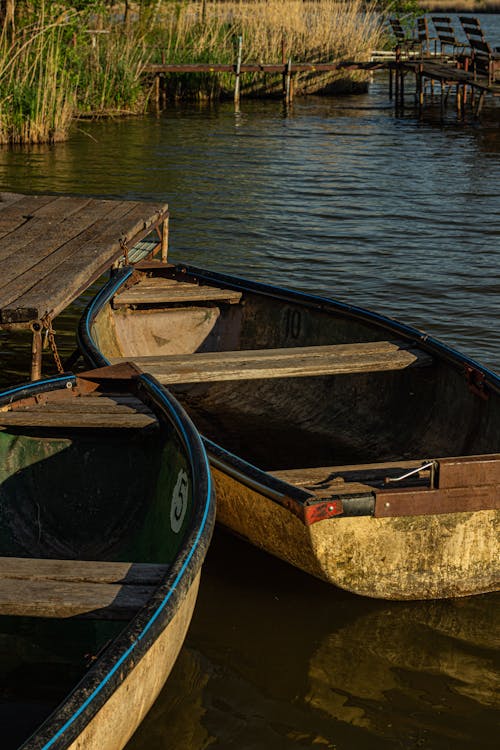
x=420 y=81
x=164 y=240
x=287 y=92
x=157 y=91
x=238 y=73
x=397 y=77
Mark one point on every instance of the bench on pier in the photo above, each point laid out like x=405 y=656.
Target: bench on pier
x=76 y=588
x=161 y=291
x=91 y=412
x=277 y=363
x=485 y=61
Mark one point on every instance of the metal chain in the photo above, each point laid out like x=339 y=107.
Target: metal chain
x=123 y=246
x=50 y=334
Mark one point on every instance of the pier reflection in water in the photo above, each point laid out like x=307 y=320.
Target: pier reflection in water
x=343 y=199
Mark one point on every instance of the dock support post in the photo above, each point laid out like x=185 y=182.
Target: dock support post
x=157 y=91
x=164 y=240
x=391 y=81
x=36 y=350
x=398 y=79
x=287 y=87
x=459 y=99
x=238 y=73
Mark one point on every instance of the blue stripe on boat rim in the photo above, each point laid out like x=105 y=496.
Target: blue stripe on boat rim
x=172 y=589
x=123 y=276
x=101 y=298
x=29 y=386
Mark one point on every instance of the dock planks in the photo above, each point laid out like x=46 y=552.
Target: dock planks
x=53 y=247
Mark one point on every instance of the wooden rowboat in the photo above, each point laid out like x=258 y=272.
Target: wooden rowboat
x=354 y=447
x=106 y=512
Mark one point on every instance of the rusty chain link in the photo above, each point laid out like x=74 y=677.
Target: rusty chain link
x=50 y=334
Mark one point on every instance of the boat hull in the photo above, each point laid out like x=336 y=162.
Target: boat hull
x=115 y=723
x=412 y=557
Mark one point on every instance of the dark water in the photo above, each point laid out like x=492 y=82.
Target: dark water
x=342 y=198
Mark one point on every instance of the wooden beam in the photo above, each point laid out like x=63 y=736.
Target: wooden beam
x=422 y=502
x=75 y=420
x=76 y=588
x=169 y=291
x=275 y=363
x=90 y=412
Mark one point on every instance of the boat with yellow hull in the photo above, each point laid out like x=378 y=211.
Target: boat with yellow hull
x=350 y=445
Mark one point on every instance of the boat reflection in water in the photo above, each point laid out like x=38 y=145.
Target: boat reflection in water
x=290 y=662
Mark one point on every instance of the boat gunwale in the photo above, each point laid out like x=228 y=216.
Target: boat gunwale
x=79 y=707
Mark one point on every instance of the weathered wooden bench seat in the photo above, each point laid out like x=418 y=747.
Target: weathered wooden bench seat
x=125 y=412
x=75 y=588
x=277 y=363
x=161 y=291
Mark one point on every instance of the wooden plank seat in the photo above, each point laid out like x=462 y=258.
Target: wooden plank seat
x=276 y=363
x=90 y=412
x=161 y=291
x=76 y=588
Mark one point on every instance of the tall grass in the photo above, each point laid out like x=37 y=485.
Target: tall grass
x=37 y=95
x=58 y=67
x=314 y=31
x=110 y=70
x=65 y=63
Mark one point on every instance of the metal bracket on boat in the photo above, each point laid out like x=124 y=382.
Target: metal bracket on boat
x=476 y=382
x=432 y=465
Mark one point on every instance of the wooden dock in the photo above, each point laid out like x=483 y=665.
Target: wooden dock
x=53 y=247
x=469 y=87
x=287 y=69
x=441 y=69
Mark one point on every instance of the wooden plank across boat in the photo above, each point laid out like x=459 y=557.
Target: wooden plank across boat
x=354 y=447
x=106 y=513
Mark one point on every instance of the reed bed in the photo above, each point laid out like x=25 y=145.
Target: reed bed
x=59 y=67
x=273 y=31
x=57 y=63
x=37 y=96
x=460 y=6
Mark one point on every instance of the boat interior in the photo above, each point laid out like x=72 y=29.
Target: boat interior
x=66 y=465
x=292 y=386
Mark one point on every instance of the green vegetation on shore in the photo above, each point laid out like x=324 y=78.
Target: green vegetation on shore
x=60 y=60
x=85 y=58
